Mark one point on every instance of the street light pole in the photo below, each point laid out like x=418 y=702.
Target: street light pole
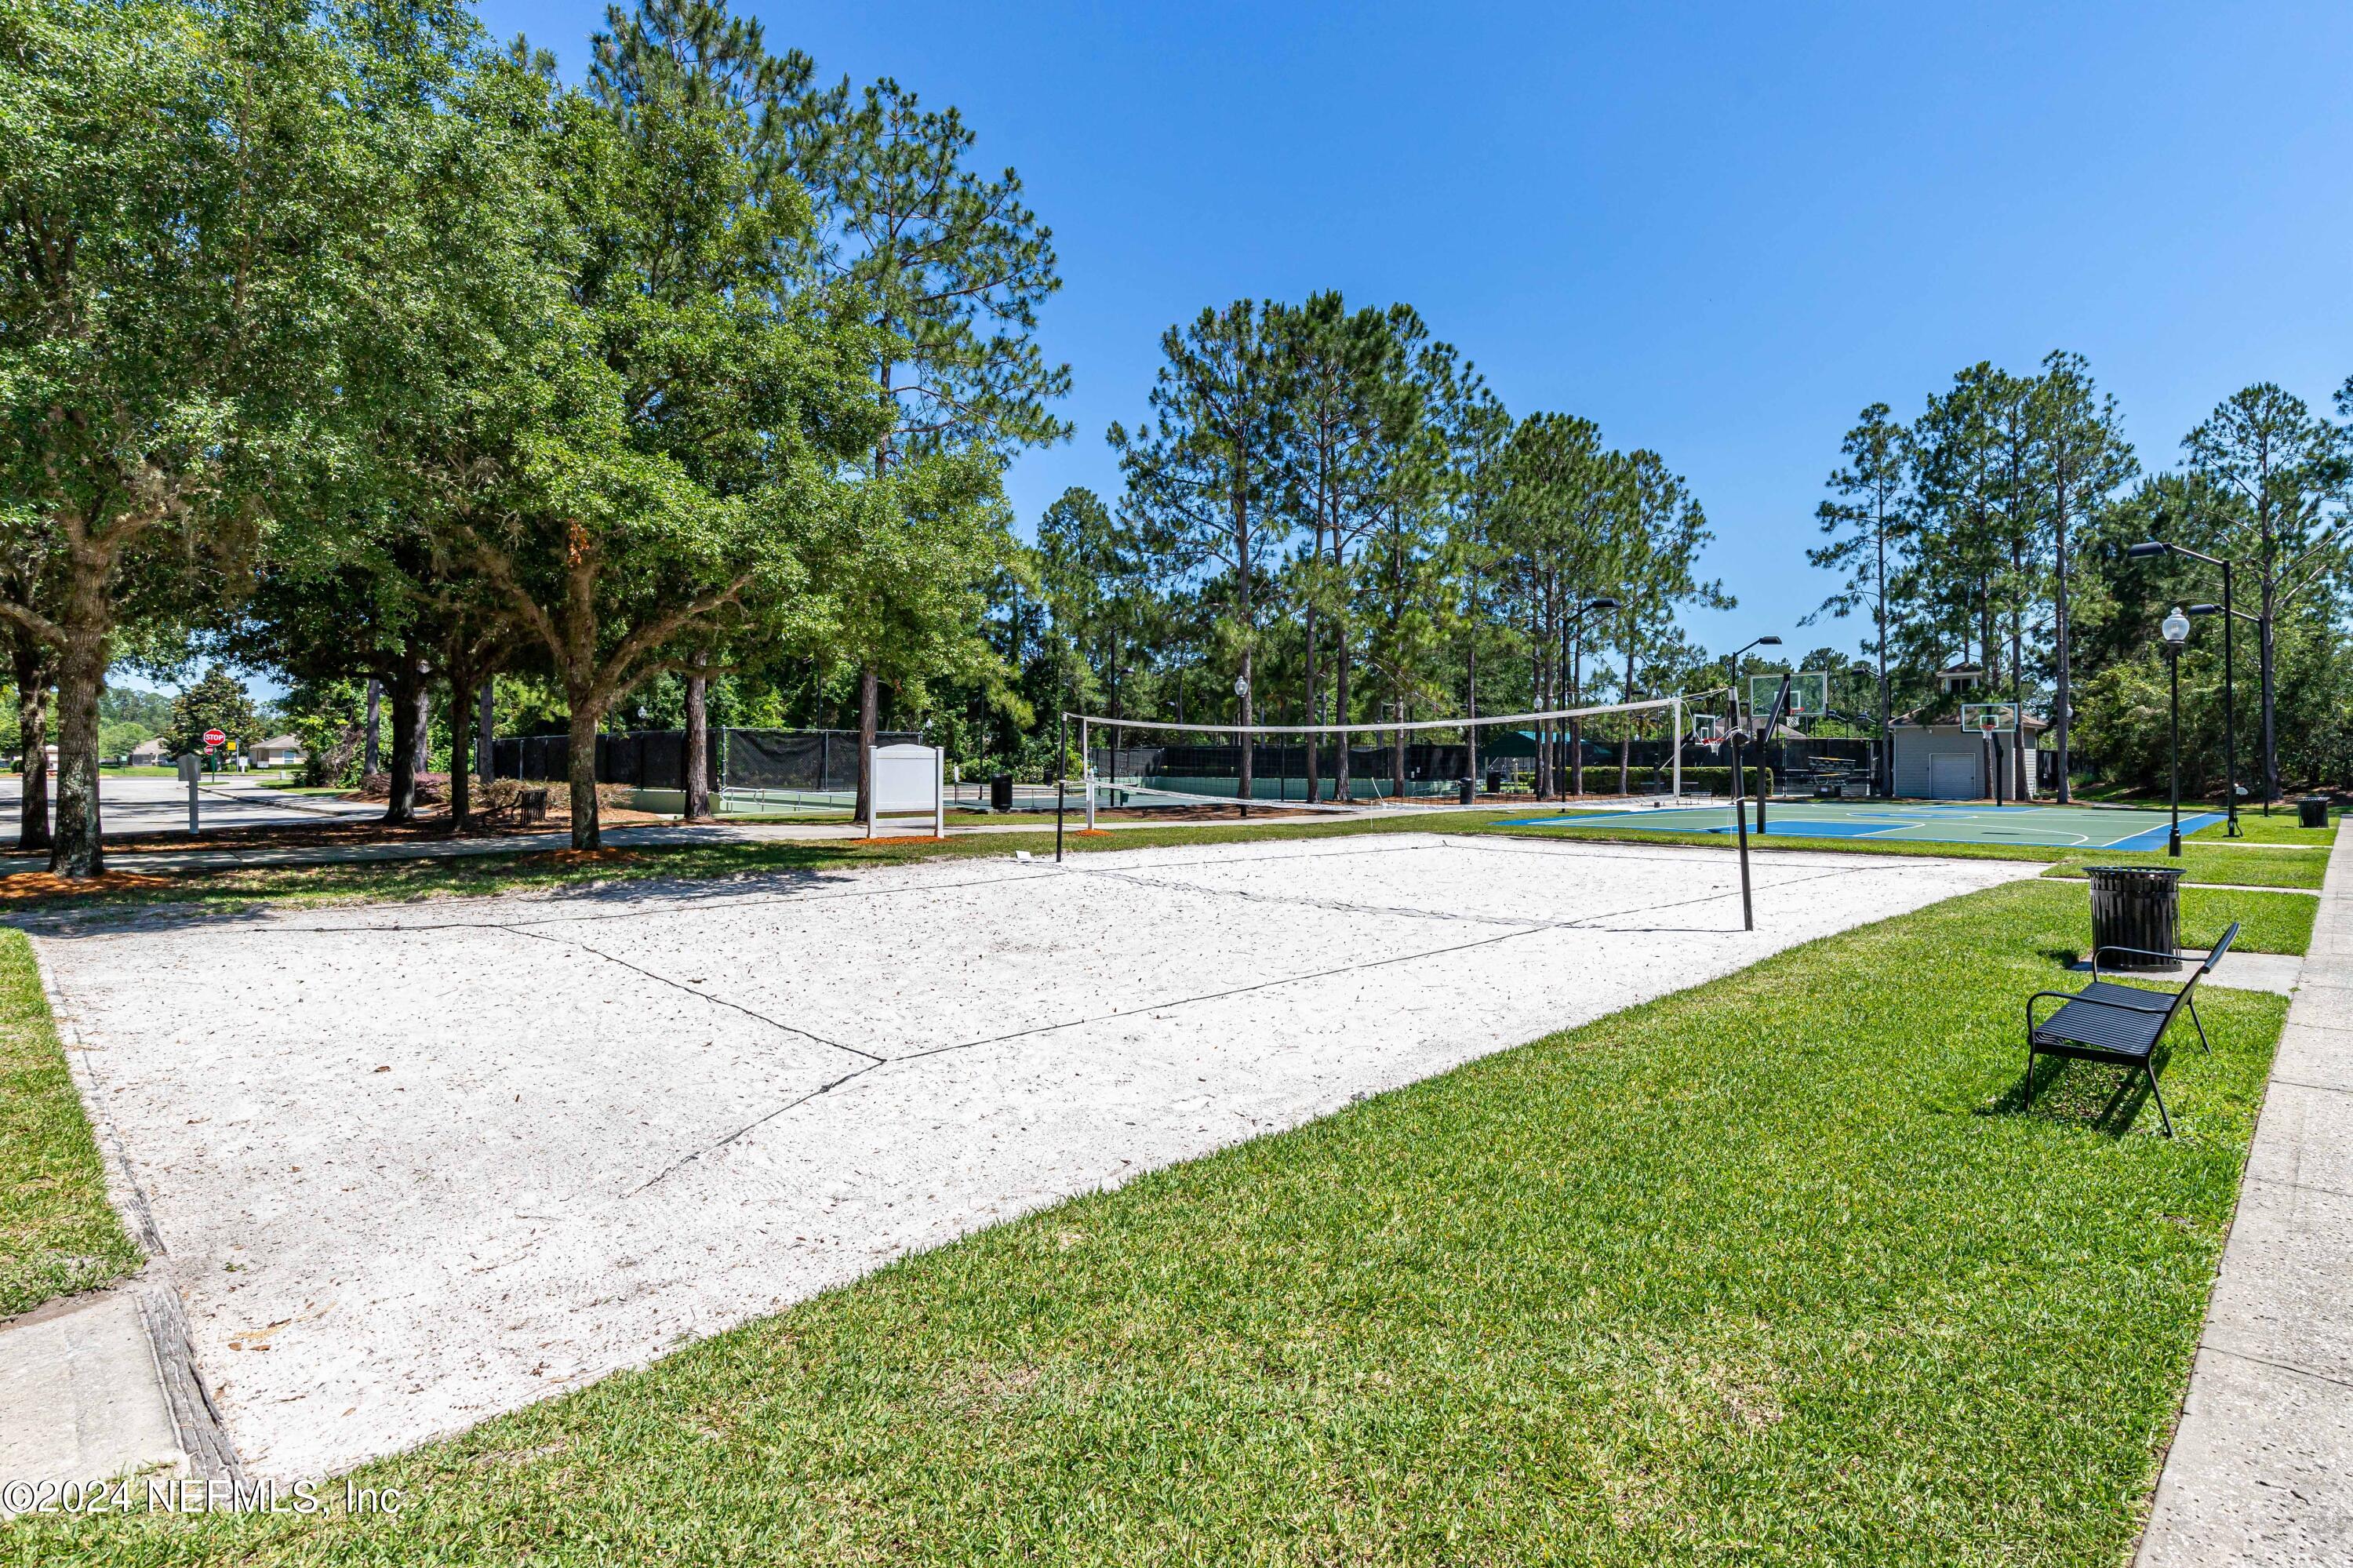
x=2230 y=612
x=2176 y=631
x=1732 y=674
x=1732 y=668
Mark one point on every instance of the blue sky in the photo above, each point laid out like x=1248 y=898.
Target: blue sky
x=1718 y=230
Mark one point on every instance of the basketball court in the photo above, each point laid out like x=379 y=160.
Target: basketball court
x=414 y=1165
x=1917 y=822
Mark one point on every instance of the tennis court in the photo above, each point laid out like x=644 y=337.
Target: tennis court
x=1919 y=822
x=413 y=1165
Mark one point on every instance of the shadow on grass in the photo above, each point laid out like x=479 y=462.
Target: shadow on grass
x=437 y=891
x=2052 y=1092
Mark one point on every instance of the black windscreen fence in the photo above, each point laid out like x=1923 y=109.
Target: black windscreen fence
x=821 y=760
x=816 y=759
x=645 y=759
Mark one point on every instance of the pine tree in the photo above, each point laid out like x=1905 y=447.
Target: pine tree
x=1871 y=523
x=949 y=268
x=2085 y=460
x=1201 y=473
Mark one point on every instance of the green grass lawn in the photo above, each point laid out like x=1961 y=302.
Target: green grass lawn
x=2203 y=859
x=1773 y=1270
x=58 y=1233
x=2279 y=828
x=2269 y=922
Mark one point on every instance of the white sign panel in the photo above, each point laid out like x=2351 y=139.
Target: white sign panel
x=907 y=780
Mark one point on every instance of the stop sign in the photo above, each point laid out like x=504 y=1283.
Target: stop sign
x=214 y=736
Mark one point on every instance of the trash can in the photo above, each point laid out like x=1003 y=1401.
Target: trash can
x=2312 y=812
x=1000 y=792
x=2136 y=906
x=1470 y=790
x=1495 y=781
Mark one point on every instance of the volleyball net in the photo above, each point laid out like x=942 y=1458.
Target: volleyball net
x=1154 y=766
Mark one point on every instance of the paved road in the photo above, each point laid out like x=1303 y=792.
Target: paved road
x=152 y=805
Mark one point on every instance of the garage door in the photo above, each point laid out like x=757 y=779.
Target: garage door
x=1953 y=778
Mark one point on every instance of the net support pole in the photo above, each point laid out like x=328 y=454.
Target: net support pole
x=1677 y=743
x=1087 y=767
x=1061 y=766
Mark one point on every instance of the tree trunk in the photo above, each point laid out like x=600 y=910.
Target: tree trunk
x=1247 y=786
x=870 y=704
x=33 y=729
x=407 y=695
x=580 y=771
x=1882 y=761
x=698 y=751
x=422 y=759
x=371 y=758
x=1625 y=742
x=1314 y=772
x=1539 y=672
x=1471 y=731
x=2059 y=638
x=78 y=850
x=1397 y=754
x=462 y=795
x=2271 y=739
x=1340 y=785
x=487 y=733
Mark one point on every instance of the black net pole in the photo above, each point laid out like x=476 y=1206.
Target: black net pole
x=1061 y=741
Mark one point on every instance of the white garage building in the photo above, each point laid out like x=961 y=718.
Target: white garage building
x=1945 y=762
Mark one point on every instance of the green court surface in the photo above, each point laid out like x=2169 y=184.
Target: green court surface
x=1919 y=822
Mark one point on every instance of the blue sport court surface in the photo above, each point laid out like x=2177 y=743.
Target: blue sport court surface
x=1924 y=822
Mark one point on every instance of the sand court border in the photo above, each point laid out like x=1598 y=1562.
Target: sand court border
x=415 y=1165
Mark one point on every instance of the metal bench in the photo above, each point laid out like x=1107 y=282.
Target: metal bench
x=2119 y=1026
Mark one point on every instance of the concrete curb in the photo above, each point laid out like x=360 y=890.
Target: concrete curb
x=2260 y=1469
x=205 y=1449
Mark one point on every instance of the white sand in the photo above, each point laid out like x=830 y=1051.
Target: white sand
x=417 y=1165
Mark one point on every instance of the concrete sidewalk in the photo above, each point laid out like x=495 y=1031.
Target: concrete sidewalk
x=82 y=1395
x=2262 y=1466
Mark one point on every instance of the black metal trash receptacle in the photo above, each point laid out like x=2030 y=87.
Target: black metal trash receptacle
x=1495 y=783
x=1000 y=793
x=2136 y=906
x=2312 y=812
x=1470 y=790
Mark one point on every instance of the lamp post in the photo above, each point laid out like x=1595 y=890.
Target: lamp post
x=1732 y=674
x=1732 y=668
x=2176 y=628
x=2228 y=610
x=2271 y=578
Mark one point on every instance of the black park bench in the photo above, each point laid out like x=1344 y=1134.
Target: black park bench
x=2119 y=1026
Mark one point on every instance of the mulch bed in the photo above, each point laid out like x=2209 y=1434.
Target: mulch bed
x=24 y=885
